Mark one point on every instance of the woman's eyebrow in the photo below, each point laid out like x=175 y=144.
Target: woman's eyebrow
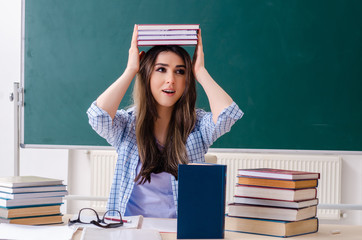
x=166 y=65
x=162 y=64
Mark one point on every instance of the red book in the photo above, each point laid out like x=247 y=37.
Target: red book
x=278 y=174
x=168 y=26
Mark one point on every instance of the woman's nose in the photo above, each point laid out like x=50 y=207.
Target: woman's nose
x=170 y=78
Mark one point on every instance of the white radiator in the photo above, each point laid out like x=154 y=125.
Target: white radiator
x=102 y=167
x=329 y=167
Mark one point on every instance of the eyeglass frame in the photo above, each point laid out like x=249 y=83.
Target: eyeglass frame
x=99 y=220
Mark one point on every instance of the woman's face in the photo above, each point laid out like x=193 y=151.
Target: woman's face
x=168 y=79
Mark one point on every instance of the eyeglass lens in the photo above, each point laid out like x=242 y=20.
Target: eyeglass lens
x=112 y=216
x=87 y=215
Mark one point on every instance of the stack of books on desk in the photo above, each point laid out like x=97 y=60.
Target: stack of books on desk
x=171 y=34
x=274 y=202
x=31 y=200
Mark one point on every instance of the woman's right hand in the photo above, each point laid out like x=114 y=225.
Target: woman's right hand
x=134 y=56
x=110 y=99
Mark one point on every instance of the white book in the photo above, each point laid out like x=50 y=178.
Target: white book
x=18 y=231
x=30 y=202
x=32 y=195
x=116 y=234
x=167 y=26
x=166 y=42
x=167 y=37
x=166 y=225
x=166 y=32
x=276 y=193
x=275 y=203
x=33 y=189
x=28 y=181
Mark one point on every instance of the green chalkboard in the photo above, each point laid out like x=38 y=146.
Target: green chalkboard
x=293 y=66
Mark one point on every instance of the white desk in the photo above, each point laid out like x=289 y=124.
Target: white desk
x=325 y=232
x=347 y=232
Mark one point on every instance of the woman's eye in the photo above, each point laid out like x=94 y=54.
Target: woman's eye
x=161 y=69
x=180 y=71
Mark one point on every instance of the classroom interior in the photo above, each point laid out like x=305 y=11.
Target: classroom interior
x=73 y=166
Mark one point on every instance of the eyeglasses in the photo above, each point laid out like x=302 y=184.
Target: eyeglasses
x=90 y=216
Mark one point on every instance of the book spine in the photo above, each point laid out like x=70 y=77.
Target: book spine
x=38 y=216
x=269 y=235
x=168 y=26
x=168 y=37
x=166 y=32
x=156 y=42
x=224 y=173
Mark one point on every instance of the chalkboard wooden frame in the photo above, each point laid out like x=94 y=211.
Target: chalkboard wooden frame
x=293 y=67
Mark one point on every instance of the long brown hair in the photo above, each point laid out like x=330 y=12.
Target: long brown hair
x=154 y=159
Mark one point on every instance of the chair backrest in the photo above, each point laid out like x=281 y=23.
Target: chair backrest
x=209 y=158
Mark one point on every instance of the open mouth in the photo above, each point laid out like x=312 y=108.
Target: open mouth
x=168 y=91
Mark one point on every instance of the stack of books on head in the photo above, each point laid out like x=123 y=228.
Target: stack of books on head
x=274 y=202
x=31 y=200
x=170 y=34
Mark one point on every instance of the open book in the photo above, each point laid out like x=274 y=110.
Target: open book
x=150 y=230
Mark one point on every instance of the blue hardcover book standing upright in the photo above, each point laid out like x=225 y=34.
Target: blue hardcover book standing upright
x=201 y=201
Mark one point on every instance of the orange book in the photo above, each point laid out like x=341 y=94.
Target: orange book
x=267 y=182
x=36 y=220
x=19 y=212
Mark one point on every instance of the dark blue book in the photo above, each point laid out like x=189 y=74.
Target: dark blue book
x=201 y=201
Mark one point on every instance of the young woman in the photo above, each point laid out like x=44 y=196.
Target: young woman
x=162 y=129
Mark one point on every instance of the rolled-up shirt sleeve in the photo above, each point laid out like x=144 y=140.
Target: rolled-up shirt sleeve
x=102 y=123
x=210 y=131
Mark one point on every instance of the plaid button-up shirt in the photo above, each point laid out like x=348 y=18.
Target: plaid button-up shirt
x=120 y=133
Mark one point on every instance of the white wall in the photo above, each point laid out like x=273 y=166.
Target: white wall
x=9 y=73
x=41 y=162
x=54 y=163
x=351 y=188
x=79 y=177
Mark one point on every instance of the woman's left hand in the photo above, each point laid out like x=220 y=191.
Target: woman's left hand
x=198 y=62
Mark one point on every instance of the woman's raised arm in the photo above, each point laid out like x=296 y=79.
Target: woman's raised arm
x=218 y=98
x=110 y=99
